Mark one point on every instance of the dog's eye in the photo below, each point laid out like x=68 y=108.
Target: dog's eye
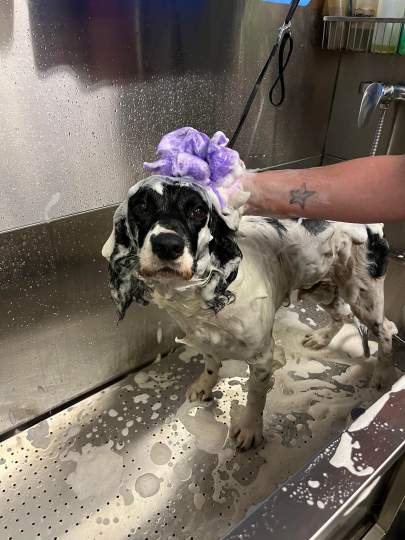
x=141 y=207
x=199 y=213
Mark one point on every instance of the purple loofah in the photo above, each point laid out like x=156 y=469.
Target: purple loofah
x=187 y=152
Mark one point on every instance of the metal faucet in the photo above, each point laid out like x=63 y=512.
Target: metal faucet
x=378 y=95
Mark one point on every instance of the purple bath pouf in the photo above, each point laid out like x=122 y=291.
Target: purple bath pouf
x=188 y=152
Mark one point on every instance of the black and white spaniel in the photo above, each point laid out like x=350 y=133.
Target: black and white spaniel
x=170 y=246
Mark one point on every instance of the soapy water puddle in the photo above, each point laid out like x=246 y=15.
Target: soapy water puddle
x=150 y=464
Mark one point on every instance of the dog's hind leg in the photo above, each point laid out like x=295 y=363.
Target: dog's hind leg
x=201 y=389
x=326 y=294
x=247 y=430
x=384 y=372
x=369 y=309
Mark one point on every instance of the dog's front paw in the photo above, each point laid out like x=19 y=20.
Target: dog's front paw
x=383 y=377
x=200 y=390
x=247 y=434
x=317 y=339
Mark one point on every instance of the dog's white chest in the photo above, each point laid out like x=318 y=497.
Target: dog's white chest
x=237 y=331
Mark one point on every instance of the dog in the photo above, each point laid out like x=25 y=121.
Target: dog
x=171 y=247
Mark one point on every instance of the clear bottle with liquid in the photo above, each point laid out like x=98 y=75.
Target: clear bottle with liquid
x=386 y=35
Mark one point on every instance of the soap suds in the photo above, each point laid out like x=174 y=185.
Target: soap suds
x=141 y=398
x=113 y=413
x=209 y=434
x=73 y=432
x=399 y=385
x=348 y=341
x=147 y=485
x=183 y=470
x=313 y=484
x=312 y=366
x=38 y=435
x=160 y=453
x=369 y=415
x=311 y=322
x=233 y=368
x=141 y=377
x=98 y=472
x=364 y=420
x=343 y=456
x=199 y=500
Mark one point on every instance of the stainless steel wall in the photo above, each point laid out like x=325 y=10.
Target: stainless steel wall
x=355 y=69
x=346 y=141
x=87 y=88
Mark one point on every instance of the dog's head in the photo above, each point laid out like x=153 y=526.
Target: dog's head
x=168 y=232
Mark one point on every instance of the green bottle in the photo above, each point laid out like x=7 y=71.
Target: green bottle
x=401 y=46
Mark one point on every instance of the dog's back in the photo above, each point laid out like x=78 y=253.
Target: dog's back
x=309 y=251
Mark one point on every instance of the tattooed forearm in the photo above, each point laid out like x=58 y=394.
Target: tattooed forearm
x=300 y=195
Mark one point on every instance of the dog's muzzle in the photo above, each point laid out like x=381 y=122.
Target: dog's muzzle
x=167 y=246
x=165 y=255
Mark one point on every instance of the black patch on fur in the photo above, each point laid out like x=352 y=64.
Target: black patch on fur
x=122 y=268
x=377 y=254
x=138 y=289
x=277 y=225
x=225 y=250
x=223 y=244
x=221 y=299
x=209 y=371
x=173 y=210
x=314 y=226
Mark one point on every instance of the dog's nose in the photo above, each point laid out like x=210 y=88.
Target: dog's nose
x=167 y=246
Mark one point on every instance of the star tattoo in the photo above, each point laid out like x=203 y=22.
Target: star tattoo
x=299 y=196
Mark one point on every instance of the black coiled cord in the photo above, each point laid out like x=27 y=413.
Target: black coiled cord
x=282 y=64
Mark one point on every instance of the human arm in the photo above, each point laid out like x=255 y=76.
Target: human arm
x=365 y=190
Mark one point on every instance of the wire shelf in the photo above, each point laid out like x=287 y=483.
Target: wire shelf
x=362 y=34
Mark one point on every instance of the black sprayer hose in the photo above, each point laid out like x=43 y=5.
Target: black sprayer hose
x=282 y=38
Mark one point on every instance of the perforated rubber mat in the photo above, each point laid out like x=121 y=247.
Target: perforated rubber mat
x=138 y=461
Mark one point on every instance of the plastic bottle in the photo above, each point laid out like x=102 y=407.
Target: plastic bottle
x=338 y=8
x=401 y=46
x=365 y=8
x=386 y=35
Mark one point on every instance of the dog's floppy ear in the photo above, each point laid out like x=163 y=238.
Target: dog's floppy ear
x=120 y=250
x=225 y=258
